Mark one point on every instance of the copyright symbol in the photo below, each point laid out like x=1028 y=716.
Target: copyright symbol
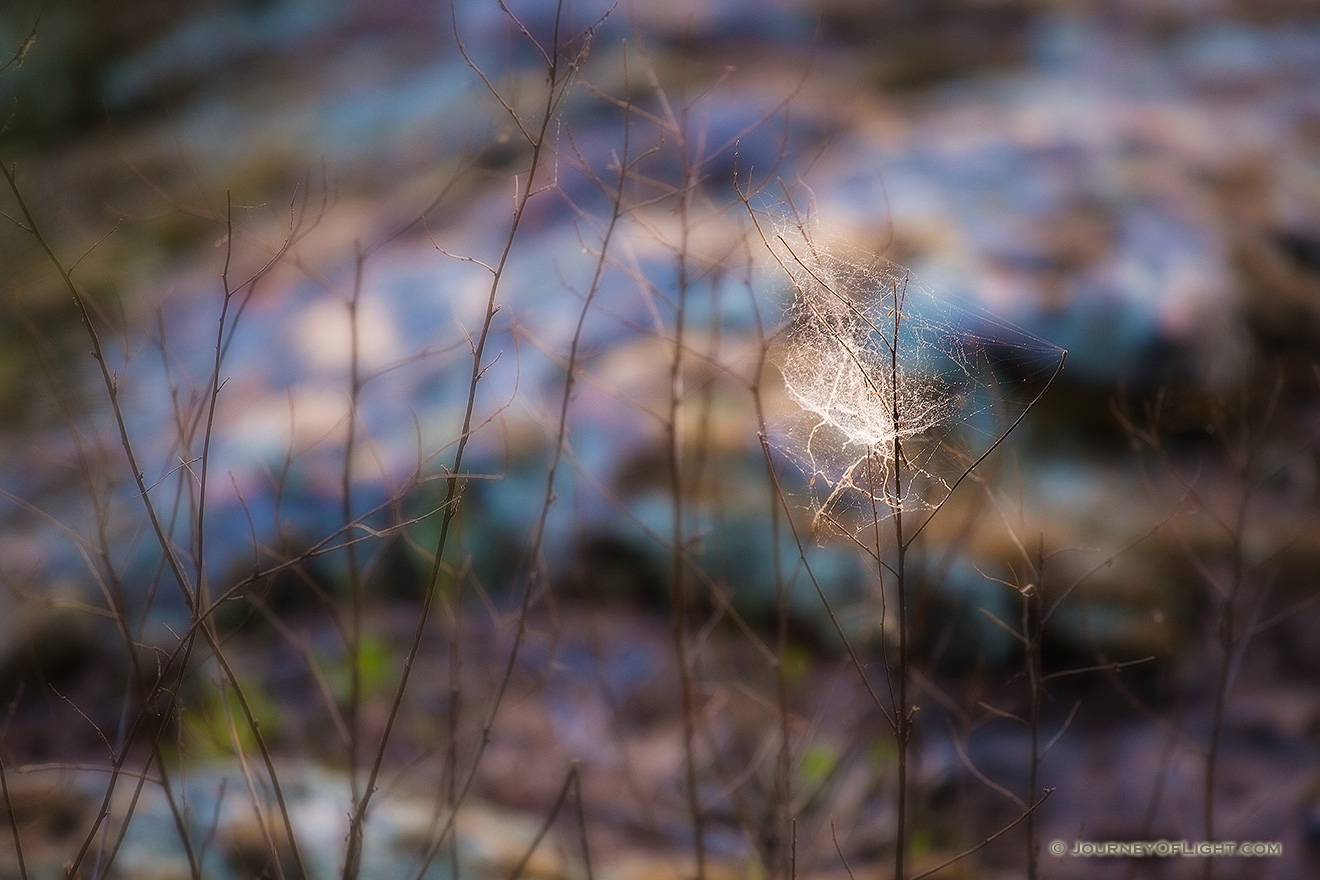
x=1058 y=847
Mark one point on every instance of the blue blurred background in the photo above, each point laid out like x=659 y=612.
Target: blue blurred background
x=1135 y=181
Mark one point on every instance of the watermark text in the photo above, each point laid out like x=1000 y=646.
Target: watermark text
x=1164 y=848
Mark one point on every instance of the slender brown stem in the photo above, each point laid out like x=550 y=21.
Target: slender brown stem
x=187 y=587
x=1032 y=608
x=353 y=646
x=678 y=573
x=1029 y=811
x=13 y=821
x=902 y=712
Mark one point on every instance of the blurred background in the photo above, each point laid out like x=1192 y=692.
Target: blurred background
x=321 y=191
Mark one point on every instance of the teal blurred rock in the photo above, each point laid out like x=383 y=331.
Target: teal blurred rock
x=961 y=616
x=732 y=556
x=54 y=808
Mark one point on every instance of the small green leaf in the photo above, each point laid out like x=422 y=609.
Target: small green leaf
x=818 y=761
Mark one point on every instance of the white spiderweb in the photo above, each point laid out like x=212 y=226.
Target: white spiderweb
x=884 y=371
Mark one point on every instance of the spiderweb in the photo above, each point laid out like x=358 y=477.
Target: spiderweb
x=900 y=391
